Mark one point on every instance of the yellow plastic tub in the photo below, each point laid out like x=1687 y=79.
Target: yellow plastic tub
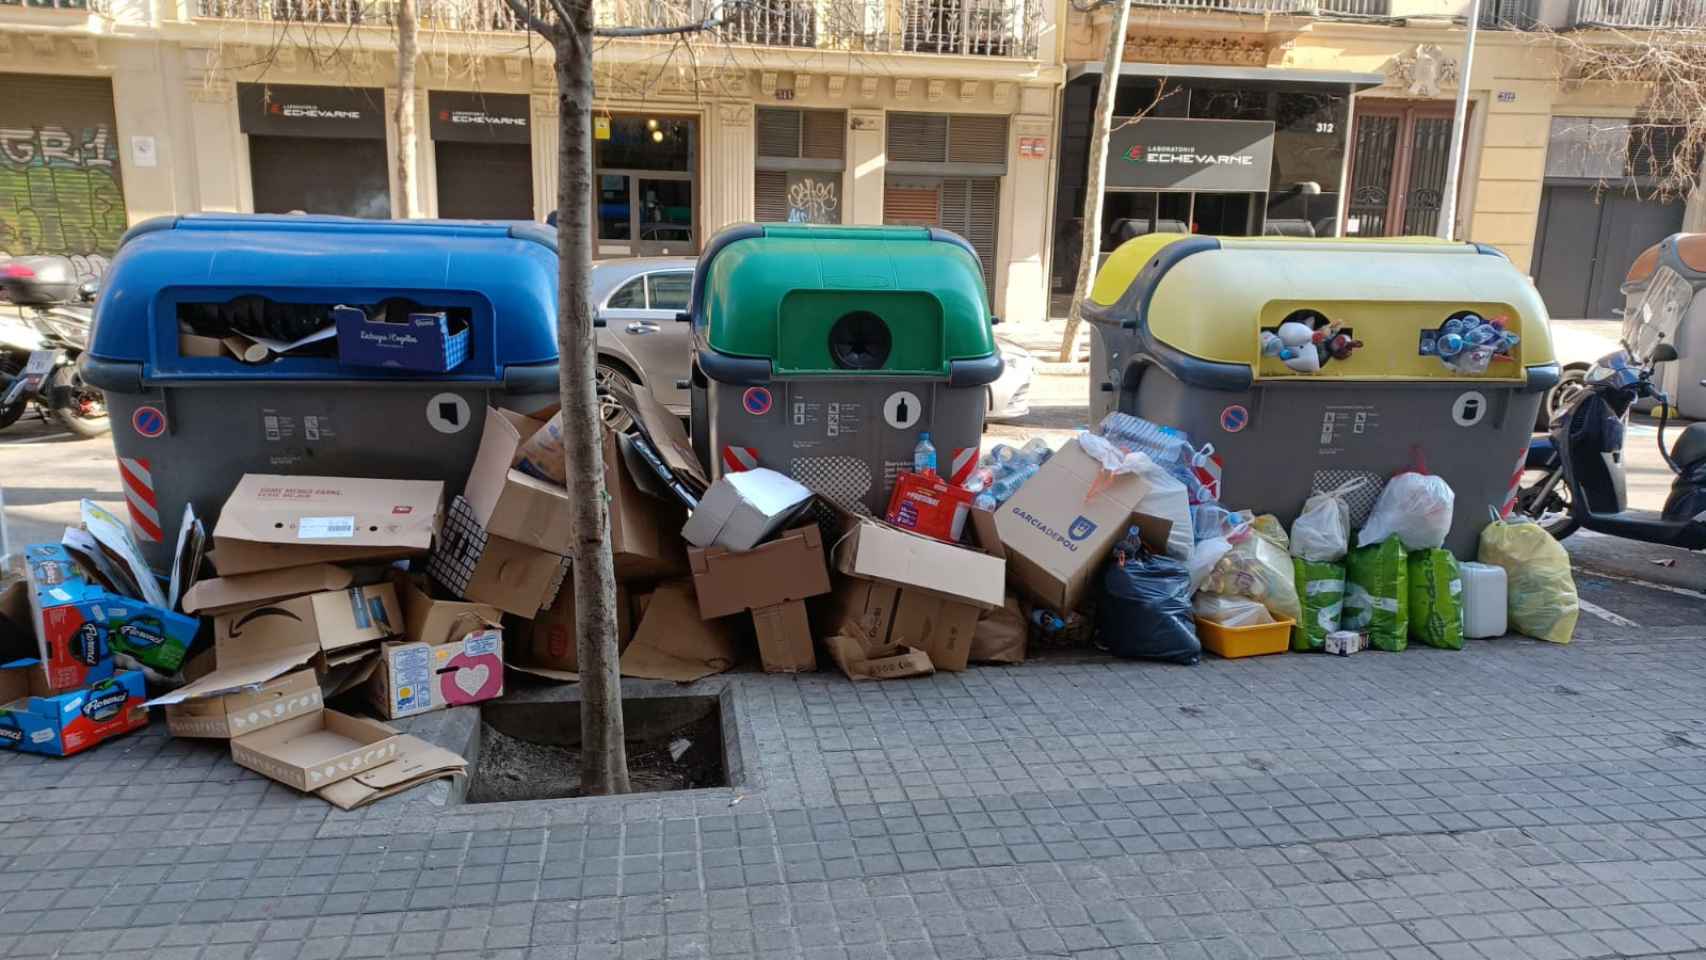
x=1256 y=641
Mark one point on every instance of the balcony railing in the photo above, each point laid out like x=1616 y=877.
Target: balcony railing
x=1640 y=14
x=1510 y=14
x=1277 y=8
x=987 y=28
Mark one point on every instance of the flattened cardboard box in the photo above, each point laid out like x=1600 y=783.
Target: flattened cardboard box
x=219 y=595
x=316 y=749
x=417 y=762
x=673 y=643
x=861 y=659
x=235 y=714
x=272 y=522
x=1056 y=534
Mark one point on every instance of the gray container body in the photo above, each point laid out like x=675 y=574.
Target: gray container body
x=1681 y=377
x=1306 y=437
x=213 y=432
x=839 y=436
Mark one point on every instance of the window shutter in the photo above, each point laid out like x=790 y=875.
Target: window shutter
x=977 y=139
x=912 y=206
x=777 y=132
x=824 y=135
x=970 y=206
x=770 y=196
x=919 y=137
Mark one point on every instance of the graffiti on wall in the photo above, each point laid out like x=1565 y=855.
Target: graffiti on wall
x=60 y=191
x=812 y=201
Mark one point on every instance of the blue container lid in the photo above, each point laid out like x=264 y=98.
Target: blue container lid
x=503 y=272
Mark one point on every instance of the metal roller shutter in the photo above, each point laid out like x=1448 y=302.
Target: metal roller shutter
x=918 y=137
x=770 y=197
x=484 y=181
x=977 y=139
x=61 y=189
x=912 y=205
x=970 y=207
x=800 y=155
x=320 y=175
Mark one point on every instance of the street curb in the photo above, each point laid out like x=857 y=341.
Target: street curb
x=1057 y=368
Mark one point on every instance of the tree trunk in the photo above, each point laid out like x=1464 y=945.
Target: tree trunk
x=604 y=755
x=408 y=36
x=1091 y=246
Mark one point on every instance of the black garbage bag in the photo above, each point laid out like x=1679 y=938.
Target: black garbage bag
x=1143 y=611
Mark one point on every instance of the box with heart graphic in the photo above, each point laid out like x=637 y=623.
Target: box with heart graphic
x=414 y=678
x=316 y=749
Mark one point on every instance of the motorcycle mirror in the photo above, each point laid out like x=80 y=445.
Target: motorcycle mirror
x=1664 y=353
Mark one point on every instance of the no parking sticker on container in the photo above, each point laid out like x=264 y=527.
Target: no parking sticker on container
x=148 y=422
x=1234 y=418
x=756 y=401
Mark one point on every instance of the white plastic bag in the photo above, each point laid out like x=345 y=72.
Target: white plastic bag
x=1414 y=506
x=1203 y=558
x=1322 y=532
x=1165 y=497
x=1231 y=611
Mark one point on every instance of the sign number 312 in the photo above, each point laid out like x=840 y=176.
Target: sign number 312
x=1323 y=128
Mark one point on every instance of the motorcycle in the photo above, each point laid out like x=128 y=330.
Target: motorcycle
x=44 y=329
x=1580 y=483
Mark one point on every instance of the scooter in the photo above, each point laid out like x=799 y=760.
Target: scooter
x=45 y=331
x=1579 y=463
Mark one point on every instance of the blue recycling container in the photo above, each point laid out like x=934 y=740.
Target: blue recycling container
x=197 y=399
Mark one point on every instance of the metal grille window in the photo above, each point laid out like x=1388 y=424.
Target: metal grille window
x=800 y=158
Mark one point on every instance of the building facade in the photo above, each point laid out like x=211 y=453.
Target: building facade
x=841 y=111
x=970 y=114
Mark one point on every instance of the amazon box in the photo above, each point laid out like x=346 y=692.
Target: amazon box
x=273 y=522
x=1059 y=527
x=36 y=719
x=218 y=595
x=475 y=564
x=771 y=581
x=317 y=749
x=332 y=630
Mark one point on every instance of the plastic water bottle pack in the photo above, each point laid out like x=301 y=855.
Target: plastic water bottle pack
x=1002 y=470
x=1169 y=447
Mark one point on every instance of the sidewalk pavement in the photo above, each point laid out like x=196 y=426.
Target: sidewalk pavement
x=1515 y=799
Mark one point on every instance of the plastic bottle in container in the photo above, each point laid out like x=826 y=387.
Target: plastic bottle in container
x=1047 y=620
x=1037 y=451
x=924 y=455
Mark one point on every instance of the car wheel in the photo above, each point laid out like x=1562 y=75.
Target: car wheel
x=614 y=416
x=1562 y=394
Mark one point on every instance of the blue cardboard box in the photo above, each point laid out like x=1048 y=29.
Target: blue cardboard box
x=34 y=719
x=419 y=341
x=80 y=624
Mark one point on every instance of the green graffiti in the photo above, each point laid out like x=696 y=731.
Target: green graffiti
x=60 y=191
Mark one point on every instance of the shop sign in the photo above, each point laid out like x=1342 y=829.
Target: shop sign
x=1165 y=153
x=479 y=117
x=289 y=110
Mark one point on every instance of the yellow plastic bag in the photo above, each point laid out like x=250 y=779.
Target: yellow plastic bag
x=1542 y=593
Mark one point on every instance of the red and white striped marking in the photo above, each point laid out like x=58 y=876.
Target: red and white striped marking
x=740 y=459
x=1516 y=482
x=960 y=468
x=139 y=496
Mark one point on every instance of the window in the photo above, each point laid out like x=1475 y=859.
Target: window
x=670 y=290
x=629 y=296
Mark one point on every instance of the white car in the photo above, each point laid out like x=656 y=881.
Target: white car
x=643 y=342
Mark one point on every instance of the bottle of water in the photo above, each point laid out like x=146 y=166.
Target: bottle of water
x=1048 y=620
x=1037 y=451
x=924 y=455
x=1002 y=454
x=986 y=501
x=1005 y=487
x=980 y=479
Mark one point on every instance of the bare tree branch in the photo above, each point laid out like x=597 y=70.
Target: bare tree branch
x=527 y=16
x=684 y=28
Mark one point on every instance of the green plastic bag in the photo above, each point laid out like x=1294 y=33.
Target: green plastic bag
x=1321 y=591
x=1377 y=594
x=1436 y=604
x=1541 y=595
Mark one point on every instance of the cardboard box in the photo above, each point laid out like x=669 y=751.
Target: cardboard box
x=878 y=552
x=427 y=619
x=418 y=677
x=742 y=510
x=860 y=658
x=417 y=762
x=332 y=630
x=273 y=522
x=886 y=614
x=1001 y=634
x=515 y=505
x=400 y=340
x=547 y=647
x=34 y=719
x=770 y=580
x=235 y=714
x=673 y=643
x=317 y=749
x=477 y=565
x=219 y=595
x=69 y=618
x=1056 y=535
x=866 y=606
x=17 y=636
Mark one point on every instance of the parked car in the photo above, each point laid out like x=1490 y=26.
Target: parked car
x=642 y=342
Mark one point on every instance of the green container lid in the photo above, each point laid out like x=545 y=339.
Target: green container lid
x=843 y=300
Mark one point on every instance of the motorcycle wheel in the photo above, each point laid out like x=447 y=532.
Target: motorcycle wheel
x=84 y=411
x=1545 y=498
